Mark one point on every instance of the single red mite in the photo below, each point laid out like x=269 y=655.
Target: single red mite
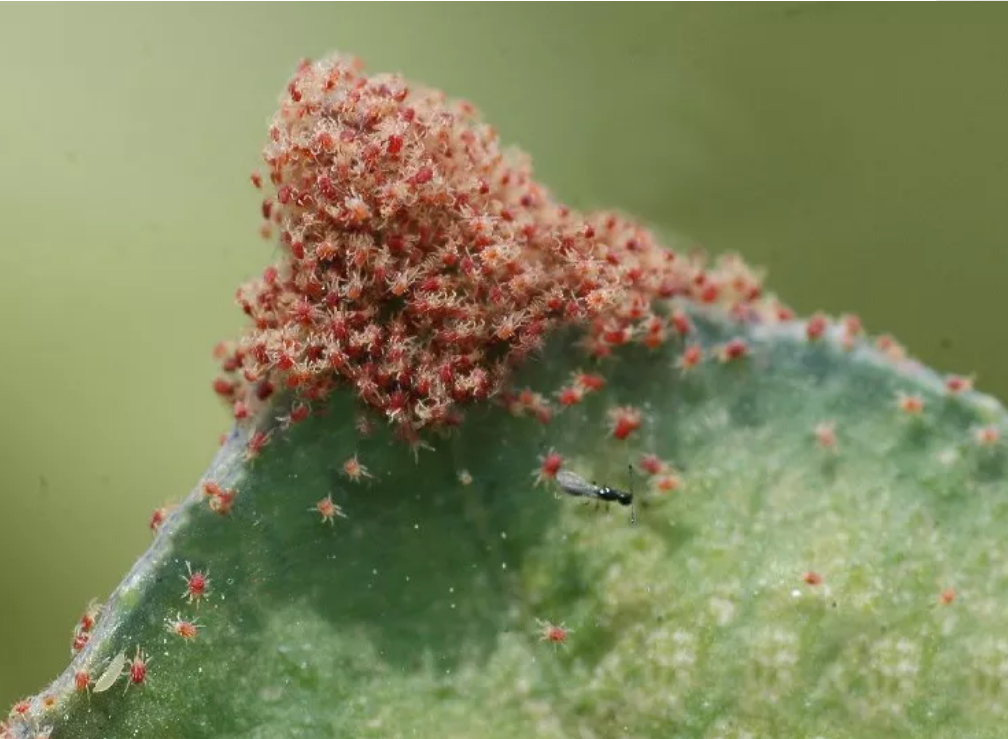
x=557 y=634
x=550 y=465
x=137 y=669
x=624 y=421
x=197 y=585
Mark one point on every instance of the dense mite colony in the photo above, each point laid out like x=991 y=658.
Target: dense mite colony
x=420 y=264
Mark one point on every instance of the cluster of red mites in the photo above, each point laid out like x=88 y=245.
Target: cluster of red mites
x=421 y=264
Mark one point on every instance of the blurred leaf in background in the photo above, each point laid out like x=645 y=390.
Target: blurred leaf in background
x=856 y=150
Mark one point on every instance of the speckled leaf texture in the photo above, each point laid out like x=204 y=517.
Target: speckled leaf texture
x=785 y=578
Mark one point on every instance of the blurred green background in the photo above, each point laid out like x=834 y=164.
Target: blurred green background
x=857 y=151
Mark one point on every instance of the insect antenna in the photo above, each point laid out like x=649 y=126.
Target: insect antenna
x=633 y=502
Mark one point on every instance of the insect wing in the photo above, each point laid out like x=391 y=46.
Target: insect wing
x=573 y=484
x=111 y=674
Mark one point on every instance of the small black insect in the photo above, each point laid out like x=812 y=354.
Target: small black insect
x=573 y=484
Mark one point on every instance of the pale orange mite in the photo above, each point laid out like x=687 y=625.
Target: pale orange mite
x=987 y=436
x=556 y=634
x=328 y=510
x=186 y=630
x=535 y=404
x=223 y=502
x=825 y=435
x=852 y=325
x=354 y=470
x=891 y=348
x=90 y=616
x=812 y=578
x=667 y=482
x=947 y=596
x=691 y=357
x=911 y=405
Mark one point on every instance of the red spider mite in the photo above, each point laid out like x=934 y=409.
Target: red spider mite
x=955 y=384
x=550 y=464
x=90 y=617
x=625 y=421
x=197 y=585
x=556 y=634
x=812 y=578
x=222 y=503
x=690 y=358
x=80 y=641
x=734 y=350
x=299 y=413
x=651 y=464
x=816 y=327
x=570 y=395
x=589 y=382
x=157 y=518
x=137 y=669
x=82 y=680
x=255 y=444
x=680 y=322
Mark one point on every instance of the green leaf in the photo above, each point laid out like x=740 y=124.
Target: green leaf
x=421 y=613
